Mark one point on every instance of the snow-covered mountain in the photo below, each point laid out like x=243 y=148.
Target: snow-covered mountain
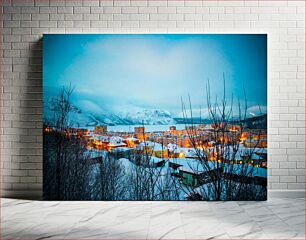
x=88 y=113
x=148 y=116
x=252 y=111
x=144 y=116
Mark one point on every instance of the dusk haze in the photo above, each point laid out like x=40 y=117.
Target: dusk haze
x=156 y=117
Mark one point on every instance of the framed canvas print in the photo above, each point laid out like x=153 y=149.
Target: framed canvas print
x=155 y=117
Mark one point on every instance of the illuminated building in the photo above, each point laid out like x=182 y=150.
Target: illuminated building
x=172 y=128
x=100 y=129
x=140 y=133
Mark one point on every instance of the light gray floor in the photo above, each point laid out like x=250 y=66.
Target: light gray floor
x=274 y=219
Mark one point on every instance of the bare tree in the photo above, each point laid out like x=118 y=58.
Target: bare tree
x=65 y=165
x=110 y=183
x=149 y=180
x=225 y=175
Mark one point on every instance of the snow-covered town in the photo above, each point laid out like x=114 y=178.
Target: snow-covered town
x=190 y=155
x=137 y=121
x=176 y=143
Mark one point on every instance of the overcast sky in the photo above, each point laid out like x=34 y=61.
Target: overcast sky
x=155 y=71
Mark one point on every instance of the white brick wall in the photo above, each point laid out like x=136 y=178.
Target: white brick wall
x=24 y=22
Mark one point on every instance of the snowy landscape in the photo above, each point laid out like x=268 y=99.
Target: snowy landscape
x=118 y=126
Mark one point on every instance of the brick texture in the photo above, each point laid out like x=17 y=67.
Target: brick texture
x=24 y=22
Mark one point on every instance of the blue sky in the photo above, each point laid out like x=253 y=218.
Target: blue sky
x=155 y=71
